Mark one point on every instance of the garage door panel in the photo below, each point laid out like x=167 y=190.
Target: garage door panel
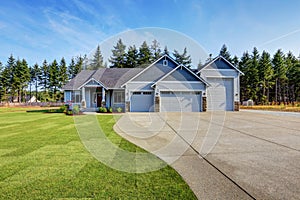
x=142 y=101
x=180 y=102
x=220 y=94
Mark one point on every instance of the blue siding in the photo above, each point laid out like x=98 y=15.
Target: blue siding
x=181 y=74
x=219 y=64
x=156 y=71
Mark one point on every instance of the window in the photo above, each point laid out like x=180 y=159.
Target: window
x=119 y=97
x=147 y=93
x=137 y=93
x=165 y=63
x=76 y=97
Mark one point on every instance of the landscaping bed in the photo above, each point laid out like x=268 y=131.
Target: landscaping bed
x=286 y=108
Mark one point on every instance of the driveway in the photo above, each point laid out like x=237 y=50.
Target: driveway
x=224 y=155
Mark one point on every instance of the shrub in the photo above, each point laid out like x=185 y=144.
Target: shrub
x=102 y=110
x=119 y=109
x=75 y=110
x=110 y=110
x=63 y=108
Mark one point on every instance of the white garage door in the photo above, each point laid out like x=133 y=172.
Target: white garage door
x=142 y=101
x=180 y=101
x=220 y=94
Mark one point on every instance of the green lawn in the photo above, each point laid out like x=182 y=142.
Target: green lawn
x=42 y=157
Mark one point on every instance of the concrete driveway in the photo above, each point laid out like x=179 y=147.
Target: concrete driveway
x=224 y=155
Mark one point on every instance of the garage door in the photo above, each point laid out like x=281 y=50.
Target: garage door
x=180 y=101
x=142 y=101
x=220 y=94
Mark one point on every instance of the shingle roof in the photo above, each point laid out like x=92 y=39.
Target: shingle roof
x=109 y=77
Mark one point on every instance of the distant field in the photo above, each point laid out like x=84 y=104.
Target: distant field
x=42 y=157
x=287 y=108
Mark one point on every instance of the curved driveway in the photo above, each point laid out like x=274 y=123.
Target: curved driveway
x=224 y=155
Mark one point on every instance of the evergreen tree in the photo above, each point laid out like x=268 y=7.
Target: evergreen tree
x=97 y=61
x=25 y=78
x=155 y=50
x=166 y=51
x=132 y=57
x=265 y=77
x=280 y=71
x=9 y=77
x=235 y=61
x=225 y=53
x=63 y=75
x=245 y=66
x=117 y=59
x=44 y=79
x=183 y=58
x=199 y=64
x=144 y=55
x=293 y=77
x=53 y=78
x=71 y=69
x=1 y=82
x=35 y=74
x=253 y=75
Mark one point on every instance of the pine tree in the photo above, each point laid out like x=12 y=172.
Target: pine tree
x=53 y=78
x=155 y=50
x=63 y=75
x=71 y=69
x=44 y=79
x=293 y=77
x=235 y=61
x=253 y=74
x=9 y=77
x=166 y=51
x=183 y=58
x=35 y=74
x=225 y=53
x=245 y=81
x=199 y=65
x=280 y=71
x=97 y=61
x=131 y=57
x=117 y=59
x=25 y=78
x=265 y=77
x=144 y=55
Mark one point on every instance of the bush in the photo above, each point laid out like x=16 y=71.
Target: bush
x=63 y=108
x=102 y=110
x=75 y=110
x=110 y=110
x=119 y=109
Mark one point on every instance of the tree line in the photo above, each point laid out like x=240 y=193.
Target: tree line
x=268 y=79
x=131 y=57
x=18 y=80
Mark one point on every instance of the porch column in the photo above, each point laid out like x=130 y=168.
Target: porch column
x=103 y=97
x=83 y=103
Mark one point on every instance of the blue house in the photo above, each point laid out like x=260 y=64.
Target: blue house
x=163 y=86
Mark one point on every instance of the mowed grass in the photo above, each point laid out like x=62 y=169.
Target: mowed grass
x=42 y=157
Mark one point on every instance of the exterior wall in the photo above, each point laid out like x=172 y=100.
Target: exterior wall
x=225 y=74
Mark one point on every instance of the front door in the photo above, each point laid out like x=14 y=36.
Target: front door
x=99 y=100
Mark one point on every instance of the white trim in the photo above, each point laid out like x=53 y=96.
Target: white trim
x=164 y=56
x=166 y=75
x=99 y=82
x=216 y=58
x=179 y=90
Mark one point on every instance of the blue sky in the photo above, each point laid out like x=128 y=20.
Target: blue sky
x=51 y=29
